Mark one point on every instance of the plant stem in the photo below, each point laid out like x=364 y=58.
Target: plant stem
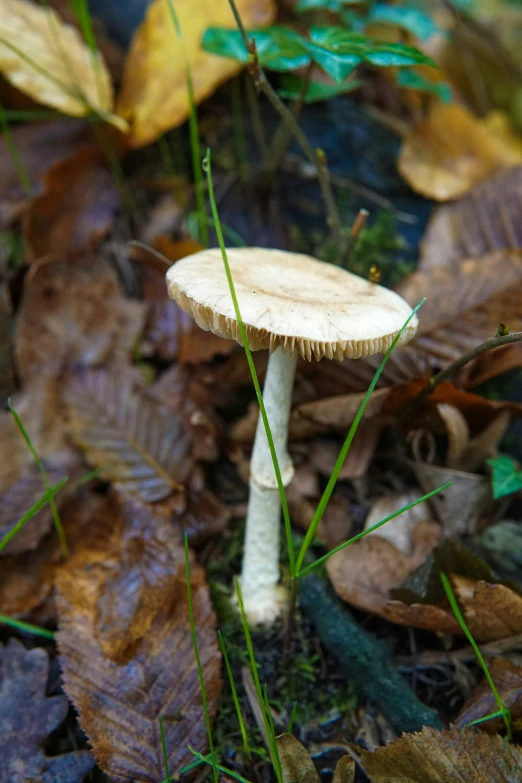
x=316 y=157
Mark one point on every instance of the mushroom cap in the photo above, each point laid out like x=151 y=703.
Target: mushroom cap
x=291 y=301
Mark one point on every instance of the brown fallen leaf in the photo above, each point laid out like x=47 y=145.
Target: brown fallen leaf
x=452 y=150
x=154 y=95
x=73 y=314
x=432 y=756
x=364 y=573
x=28 y=717
x=126 y=650
x=141 y=445
x=296 y=764
x=50 y=61
x=75 y=209
x=508 y=681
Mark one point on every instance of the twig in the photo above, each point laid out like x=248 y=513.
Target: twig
x=358 y=225
x=316 y=157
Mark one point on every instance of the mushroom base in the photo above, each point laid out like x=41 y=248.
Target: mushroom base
x=266 y=605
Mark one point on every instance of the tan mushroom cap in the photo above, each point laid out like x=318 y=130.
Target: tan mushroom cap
x=291 y=301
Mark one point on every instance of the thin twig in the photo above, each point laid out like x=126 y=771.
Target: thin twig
x=358 y=225
x=316 y=157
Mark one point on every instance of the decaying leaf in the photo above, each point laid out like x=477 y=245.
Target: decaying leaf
x=432 y=756
x=508 y=681
x=73 y=314
x=28 y=716
x=76 y=208
x=48 y=60
x=485 y=220
x=452 y=150
x=154 y=96
x=126 y=649
x=140 y=444
x=296 y=764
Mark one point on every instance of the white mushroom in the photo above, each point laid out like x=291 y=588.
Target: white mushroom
x=291 y=304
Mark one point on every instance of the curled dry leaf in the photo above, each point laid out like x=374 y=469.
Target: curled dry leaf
x=28 y=717
x=452 y=150
x=126 y=649
x=296 y=764
x=76 y=208
x=141 y=445
x=432 y=756
x=508 y=681
x=73 y=314
x=154 y=96
x=364 y=573
x=49 y=60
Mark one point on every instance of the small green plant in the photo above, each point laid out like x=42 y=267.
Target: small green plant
x=506 y=476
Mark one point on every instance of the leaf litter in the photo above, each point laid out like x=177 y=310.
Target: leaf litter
x=111 y=376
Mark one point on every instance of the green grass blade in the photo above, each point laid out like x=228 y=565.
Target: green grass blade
x=502 y=709
x=51 y=492
x=292 y=718
x=374 y=527
x=198 y=663
x=52 y=503
x=265 y=711
x=226 y=771
x=321 y=508
x=20 y=169
x=244 y=340
x=240 y=719
x=164 y=750
x=193 y=131
x=26 y=627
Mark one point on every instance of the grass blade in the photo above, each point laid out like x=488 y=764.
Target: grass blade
x=502 y=709
x=235 y=698
x=374 y=527
x=26 y=627
x=164 y=750
x=21 y=171
x=52 y=504
x=51 y=492
x=321 y=508
x=198 y=663
x=244 y=340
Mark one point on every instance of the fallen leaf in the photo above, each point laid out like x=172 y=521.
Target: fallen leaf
x=154 y=96
x=432 y=756
x=28 y=717
x=399 y=531
x=48 y=60
x=76 y=208
x=452 y=150
x=296 y=764
x=138 y=443
x=508 y=682
x=364 y=573
x=132 y=582
x=73 y=314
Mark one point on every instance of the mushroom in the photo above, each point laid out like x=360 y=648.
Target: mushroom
x=291 y=305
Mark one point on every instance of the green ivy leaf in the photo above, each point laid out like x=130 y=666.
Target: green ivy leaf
x=413 y=80
x=291 y=87
x=411 y=19
x=278 y=48
x=338 y=51
x=506 y=478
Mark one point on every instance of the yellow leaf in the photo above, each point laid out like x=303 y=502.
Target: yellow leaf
x=48 y=60
x=452 y=150
x=154 y=96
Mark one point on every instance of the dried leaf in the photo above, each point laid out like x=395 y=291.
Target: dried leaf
x=432 y=756
x=363 y=574
x=452 y=150
x=399 y=531
x=73 y=314
x=485 y=220
x=508 y=681
x=141 y=445
x=296 y=764
x=76 y=208
x=154 y=96
x=48 y=60
x=126 y=649
x=28 y=716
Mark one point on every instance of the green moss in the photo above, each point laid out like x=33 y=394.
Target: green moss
x=378 y=245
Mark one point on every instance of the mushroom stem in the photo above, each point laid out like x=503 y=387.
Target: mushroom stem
x=263 y=599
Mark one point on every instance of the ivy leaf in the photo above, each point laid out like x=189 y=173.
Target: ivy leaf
x=506 y=478
x=291 y=87
x=413 y=80
x=278 y=48
x=411 y=19
x=338 y=51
